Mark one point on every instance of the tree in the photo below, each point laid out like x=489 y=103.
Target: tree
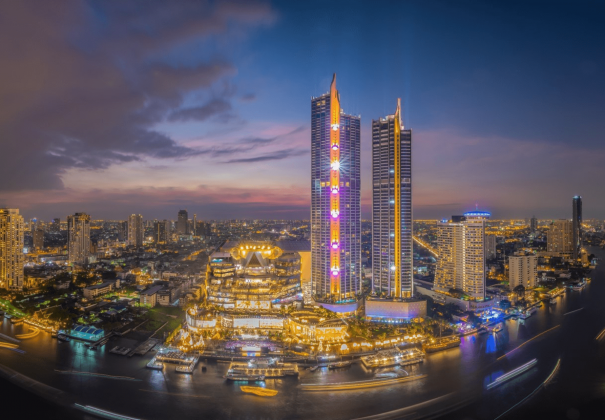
x=519 y=291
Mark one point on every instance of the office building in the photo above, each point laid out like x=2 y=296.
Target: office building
x=577 y=226
x=78 y=238
x=392 y=207
x=461 y=262
x=559 y=239
x=522 y=270
x=182 y=224
x=135 y=230
x=12 y=230
x=335 y=203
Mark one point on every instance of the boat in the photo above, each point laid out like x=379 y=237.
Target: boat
x=313 y=368
x=384 y=375
x=62 y=337
x=515 y=317
x=245 y=378
x=482 y=330
x=257 y=390
x=338 y=365
x=532 y=309
x=578 y=286
x=440 y=344
x=498 y=328
x=553 y=301
x=269 y=368
x=513 y=373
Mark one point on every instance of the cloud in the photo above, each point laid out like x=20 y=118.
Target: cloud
x=277 y=155
x=84 y=84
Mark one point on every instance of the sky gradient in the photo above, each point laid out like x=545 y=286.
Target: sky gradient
x=114 y=108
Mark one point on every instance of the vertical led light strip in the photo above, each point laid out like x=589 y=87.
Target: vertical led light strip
x=334 y=190
x=397 y=215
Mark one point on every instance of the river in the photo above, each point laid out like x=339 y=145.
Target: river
x=453 y=377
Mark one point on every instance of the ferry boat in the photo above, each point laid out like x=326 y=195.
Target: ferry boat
x=338 y=365
x=385 y=375
x=440 y=344
x=270 y=368
x=498 y=328
x=393 y=357
x=578 y=286
x=245 y=378
x=62 y=337
x=313 y=368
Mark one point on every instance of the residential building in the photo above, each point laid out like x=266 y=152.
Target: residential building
x=392 y=257
x=78 y=238
x=161 y=231
x=135 y=230
x=150 y=296
x=559 y=239
x=533 y=224
x=522 y=270
x=335 y=203
x=12 y=230
x=490 y=246
x=182 y=224
x=92 y=292
x=461 y=261
x=38 y=239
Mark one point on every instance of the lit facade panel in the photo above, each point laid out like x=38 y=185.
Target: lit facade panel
x=12 y=230
x=392 y=259
x=335 y=200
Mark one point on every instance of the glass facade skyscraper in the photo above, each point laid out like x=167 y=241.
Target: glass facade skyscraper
x=392 y=260
x=335 y=200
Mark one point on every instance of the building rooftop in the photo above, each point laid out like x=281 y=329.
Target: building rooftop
x=152 y=290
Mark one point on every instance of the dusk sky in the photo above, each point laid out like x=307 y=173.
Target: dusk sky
x=120 y=107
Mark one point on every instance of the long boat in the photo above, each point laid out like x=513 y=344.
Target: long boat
x=338 y=365
x=513 y=373
x=441 y=344
x=245 y=378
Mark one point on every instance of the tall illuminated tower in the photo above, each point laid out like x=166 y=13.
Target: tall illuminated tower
x=335 y=201
x=135 y=230
x=577 y=226
x=78 y=238
x=12 y=229
x=392 y=206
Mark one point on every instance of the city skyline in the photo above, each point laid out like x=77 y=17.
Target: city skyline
x=217 y=114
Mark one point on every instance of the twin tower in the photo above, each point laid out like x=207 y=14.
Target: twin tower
x=336 y=205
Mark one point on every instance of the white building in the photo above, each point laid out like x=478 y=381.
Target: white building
x=461 y=249
x=12 y=228
x=522 y=270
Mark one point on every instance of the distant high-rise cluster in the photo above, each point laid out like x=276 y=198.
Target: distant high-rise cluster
x=392 y=257
x=335 y=200
x=461 y=249
x=12 y=229
x=78 y=238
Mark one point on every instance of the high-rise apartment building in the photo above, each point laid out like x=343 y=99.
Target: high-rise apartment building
x=392 y=257
x=577 y=226
x=182 y=223
x=78 y=238
x=490 y=246
x=522 y=270
x=135 y=230
x=12 y=230
x=461 y=249
x=533 y=224
x=161 y=231
x=55 y=225
x=38 y=239
x=559 y=238
x=335 y=200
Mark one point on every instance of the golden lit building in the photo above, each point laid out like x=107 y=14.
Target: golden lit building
x=12 y=228
x=559 y=238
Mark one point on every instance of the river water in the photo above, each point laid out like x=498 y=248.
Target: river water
x=453 y=377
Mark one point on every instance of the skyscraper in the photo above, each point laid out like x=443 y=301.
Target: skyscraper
x=12 y=229
x=577 y=226
x=559 y=238
x=39 y=239
x=55 y=225
x=135 y=230
x=392 y=206
x=533 y=224
x=461 y=249
x=161 y=231
x=182 y=223
x=335 y=200
x=78 y=238
x=522 y=271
